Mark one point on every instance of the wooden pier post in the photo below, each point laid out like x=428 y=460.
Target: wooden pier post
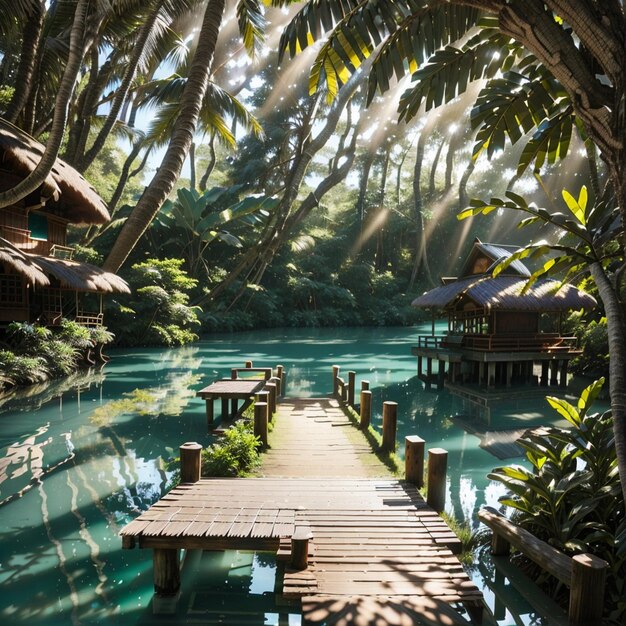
x=365 y=385
x=271 y=388
x=280 y=373
x=209 y=412
x=586 y=595
x=248 y=364
x=234 y=374
x=365 y=409
x=300 y=548
x=190 y=454
x=351 y=386
x=335 y=381
x=166 y=564
x=563 y=380
x=390 y=420
x=276 y=381
x=224 y=409
x=414 y=460
x=437 y=468
x=260 y=422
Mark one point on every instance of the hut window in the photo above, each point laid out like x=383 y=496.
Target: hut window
x=11 y=290
x=481 y=265
x=38 y=226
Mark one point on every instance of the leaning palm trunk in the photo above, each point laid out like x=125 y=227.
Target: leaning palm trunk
x=62 y=102
x=182 y=136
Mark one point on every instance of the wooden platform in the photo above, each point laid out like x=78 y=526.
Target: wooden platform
x=376 y=548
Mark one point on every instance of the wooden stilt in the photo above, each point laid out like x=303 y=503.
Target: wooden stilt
x=209 y=412
x=166 y=563
x=224 y=409
x=563 y=379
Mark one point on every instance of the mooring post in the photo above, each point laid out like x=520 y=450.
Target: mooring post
x=234 y=374
x=190 y=454
x=437 y=468
x=365 y=385
x=335 y=381
x=300 y=548
x=586 y=594
x=271 y=389
x=414 y=460
x=280 y=373
x=351 y=386
x=260 y=422
x=248 y=364
x=390 y=420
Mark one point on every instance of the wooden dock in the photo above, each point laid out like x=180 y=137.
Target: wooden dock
x=357 y=544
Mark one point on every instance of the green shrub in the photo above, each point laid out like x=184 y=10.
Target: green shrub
x=234 y=455
x=571 y=496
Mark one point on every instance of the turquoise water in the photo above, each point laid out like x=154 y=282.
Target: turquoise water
x=79 y=459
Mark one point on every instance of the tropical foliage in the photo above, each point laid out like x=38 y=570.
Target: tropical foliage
x=34 y=353
x=570 y=496
x=157 y=312
x=236 y=454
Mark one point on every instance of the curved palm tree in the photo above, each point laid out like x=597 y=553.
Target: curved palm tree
x=251 y=22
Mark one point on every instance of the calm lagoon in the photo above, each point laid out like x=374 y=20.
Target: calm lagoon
x=82 y=457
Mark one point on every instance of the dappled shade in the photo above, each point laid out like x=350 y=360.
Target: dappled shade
x=22 y=263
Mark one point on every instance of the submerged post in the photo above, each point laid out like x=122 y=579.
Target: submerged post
x=365 y=409
x=260 y=422
x=414 y=460
x=437 y=468
x=351 y=386
x=335 y=381
x=586 y=595
x=166 y=564
x=190 y=462
x=390 y=420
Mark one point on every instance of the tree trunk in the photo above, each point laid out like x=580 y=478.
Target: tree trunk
x=192 y=166
x=28 y=61
x=64 y=95
x=210 y=164
x=182 y=137
x=365 y=174
x=616 y=328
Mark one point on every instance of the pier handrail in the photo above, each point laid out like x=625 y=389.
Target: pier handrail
x=584 y=574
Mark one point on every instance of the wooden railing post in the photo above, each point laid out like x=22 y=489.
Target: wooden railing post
x=414 y=460
x=276 y=381
x=271 y=389
x=260 y=422
x=365 y=385
x=280 y=373
x=365 y=409
x=586 y=595
x=248 y=364
x=335 y=381
x=437 y=469
x=390 y=421
x=351 y=386
x=190 y=454
x=234 y=374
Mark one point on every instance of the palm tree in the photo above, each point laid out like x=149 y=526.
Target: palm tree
x=251 y=25
x=563 y=69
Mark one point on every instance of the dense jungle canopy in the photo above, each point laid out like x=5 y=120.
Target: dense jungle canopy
x=305 y=162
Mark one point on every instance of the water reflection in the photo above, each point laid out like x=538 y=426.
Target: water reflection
x=80 y=458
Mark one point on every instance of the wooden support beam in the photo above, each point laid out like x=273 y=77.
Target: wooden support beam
x=390 y=421
x=414 y=460
x=209 y=412
x=365 y=409
x=437 y=470
x=563 y=379
x=166 y=564
x=224 y=409
x=190 y=462
x=260 y=422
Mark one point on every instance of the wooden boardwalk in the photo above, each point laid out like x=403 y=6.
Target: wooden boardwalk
x=377 y=551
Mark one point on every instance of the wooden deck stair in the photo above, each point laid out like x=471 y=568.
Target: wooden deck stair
x=377 y=548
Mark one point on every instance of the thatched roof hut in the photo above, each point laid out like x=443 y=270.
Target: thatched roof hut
x=76 y=200
x=506 y=293
x=22 y=263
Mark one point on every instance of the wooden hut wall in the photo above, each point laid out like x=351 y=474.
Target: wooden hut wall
x=516 y=322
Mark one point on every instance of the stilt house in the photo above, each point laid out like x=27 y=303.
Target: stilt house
x=498 y=334
x=39 y=281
